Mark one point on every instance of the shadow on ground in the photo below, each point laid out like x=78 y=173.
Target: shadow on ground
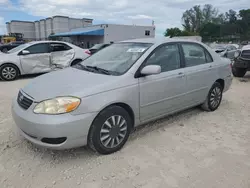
x=84 y=153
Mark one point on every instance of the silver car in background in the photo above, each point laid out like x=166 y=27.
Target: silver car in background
x=39 y=57
x=101 y=100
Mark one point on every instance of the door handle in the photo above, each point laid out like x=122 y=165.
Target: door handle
x=181 y=75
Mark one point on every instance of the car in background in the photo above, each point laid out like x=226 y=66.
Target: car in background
x=6 y=47
x=227 y=50
x=39 y=57
x=241 y=61
x=96 y=48
x=101 y=100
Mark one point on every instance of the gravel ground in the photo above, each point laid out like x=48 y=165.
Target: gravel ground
x=190 y=149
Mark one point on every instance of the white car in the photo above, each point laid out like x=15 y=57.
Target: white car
x=39 y=57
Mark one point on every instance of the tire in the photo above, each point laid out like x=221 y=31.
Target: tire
x=9 y=72
x=5 y=50
x=76 y=61
x=239 y=72
x=214 y=98
x=104 y=137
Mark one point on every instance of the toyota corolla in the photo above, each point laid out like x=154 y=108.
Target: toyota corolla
x=99 y=101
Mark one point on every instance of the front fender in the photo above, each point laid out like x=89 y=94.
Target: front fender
x=128 y=95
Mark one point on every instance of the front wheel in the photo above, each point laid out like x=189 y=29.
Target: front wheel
x=239 y=72
x=214 y=98
x=8 y=72
x=110 y=130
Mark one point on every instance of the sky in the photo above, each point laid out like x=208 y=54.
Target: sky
x=165 y=13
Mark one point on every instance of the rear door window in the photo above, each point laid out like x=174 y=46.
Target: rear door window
x=195 y=54
x=59 y=47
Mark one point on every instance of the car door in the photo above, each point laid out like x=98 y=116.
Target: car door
x=61 y=54
x=162 y=93
x=199 y=71
x=35 y=58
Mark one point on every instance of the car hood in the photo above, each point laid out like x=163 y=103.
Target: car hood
x=69 y=82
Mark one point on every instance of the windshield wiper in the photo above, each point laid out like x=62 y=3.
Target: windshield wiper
x=79 y=65
x=98 y=69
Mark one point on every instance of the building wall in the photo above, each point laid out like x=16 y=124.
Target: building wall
x=37 y=30
x=65 y=24
x=42 y=30
x=27 y=28
x=113 y=33
x=8 y=27
x=49 y=27
x=60 y=24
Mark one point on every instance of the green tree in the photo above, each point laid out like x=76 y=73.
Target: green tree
x=231 y=16
x=195 y=18
x=172 y=32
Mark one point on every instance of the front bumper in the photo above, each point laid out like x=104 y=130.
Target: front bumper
x=36 y=127
x=241 y=63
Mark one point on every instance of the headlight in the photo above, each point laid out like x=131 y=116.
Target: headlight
x=237 y=54
x=57 y=105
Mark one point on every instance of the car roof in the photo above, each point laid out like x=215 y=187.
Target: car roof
x=46 y=41
x=159 y=40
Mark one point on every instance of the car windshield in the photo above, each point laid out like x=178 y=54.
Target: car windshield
x=117 y=58
x=18 y=48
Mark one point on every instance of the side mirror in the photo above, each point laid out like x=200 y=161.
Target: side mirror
x=25 y=52
x=151 y=69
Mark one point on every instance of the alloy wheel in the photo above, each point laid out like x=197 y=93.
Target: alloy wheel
x=9 y=73
x=113 y=131
x=215 y=97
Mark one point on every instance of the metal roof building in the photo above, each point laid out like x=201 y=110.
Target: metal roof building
x=42 y=29
x=105 y=33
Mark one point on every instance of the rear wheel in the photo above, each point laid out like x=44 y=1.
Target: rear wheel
x=8 y=72
x=110 y=130
x=214 y=98
x=239 y=72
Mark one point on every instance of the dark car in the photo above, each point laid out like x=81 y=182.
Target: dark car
x=96 y=48
x=6 y=47
x=241 y=61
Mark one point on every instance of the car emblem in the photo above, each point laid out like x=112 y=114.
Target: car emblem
x=21 y=98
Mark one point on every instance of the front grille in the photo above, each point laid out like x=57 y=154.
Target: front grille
x=245 y=54
x=23 y=101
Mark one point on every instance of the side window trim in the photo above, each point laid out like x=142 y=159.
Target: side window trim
x=47 y=44
x=206 y=52
x=58 y=43
x=137 y=73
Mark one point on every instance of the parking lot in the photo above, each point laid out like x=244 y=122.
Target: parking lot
x=193 y=149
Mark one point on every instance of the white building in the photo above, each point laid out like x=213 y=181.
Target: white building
x=42 y=29
x=105 y=33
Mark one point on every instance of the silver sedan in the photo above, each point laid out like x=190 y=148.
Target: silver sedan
x=101 y=100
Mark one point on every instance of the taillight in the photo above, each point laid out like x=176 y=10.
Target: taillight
x=88 y=52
